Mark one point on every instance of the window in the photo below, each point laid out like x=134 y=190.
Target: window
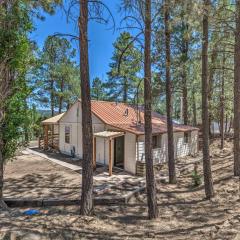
x=67 y=134
x=186 y=137
x=157 y=141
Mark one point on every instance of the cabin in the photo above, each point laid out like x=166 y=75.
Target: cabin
x=118 y=135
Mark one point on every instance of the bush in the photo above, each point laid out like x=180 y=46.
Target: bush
x=196 y=178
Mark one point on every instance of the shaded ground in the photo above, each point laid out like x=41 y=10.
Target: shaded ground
x=184 y=214
x=32 y=176
x=62 y=157
x=35 y=177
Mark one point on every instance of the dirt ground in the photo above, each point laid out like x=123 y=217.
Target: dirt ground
x=35 y=177
x=183 y=211
x=30 y=176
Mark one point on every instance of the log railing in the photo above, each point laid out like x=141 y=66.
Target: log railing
x=52 y=141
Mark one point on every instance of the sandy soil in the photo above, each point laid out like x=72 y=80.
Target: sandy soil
x=184 y=213
x=35 y=177
x=32 y=176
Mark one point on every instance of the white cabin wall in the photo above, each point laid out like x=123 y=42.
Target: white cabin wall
x=56 y=128
x=73 y=118
x=194 y=143
x=162 y=151
x=102 y=151
x=183 y=149
x=130 y=153
x=164 y=148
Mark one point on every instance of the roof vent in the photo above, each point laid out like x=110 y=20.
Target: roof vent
x=126 y=113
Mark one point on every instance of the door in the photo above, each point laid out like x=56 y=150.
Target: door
x=119 y=152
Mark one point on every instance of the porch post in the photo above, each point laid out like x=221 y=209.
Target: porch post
x=94 y=153
x=39 y=142
x=110 y=157
x=45 y=137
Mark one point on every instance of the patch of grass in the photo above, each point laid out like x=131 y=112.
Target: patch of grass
x=196 y=177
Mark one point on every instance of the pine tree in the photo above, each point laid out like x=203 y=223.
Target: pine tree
x=150 y=180
x=171 y=160
x=208 y=184
x=237 y=92
x=87 y=132
x=98 y=89
x=56 y=75
x=124 y=68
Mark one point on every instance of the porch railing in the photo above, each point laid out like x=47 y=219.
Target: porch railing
x=51 y=142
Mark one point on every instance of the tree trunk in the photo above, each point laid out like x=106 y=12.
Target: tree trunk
x=185 y=47
x=125 y=91
x=61 y=97
x=1 y=166
x=26 y=127
x=87 y=139
x=150 y=180
x=194 y=110
x=237 y=92
x=210 y=92
x=222 y=105
x=208 y=184
x=52 y=97
x=230 y=124
x=185 y=101
x=226 y=124
x=171 y=160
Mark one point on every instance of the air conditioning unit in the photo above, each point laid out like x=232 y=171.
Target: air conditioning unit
x=73 y=151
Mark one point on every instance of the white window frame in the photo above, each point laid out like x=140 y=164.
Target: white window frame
x=159 y=141
x=186 y=137
x=67 y=126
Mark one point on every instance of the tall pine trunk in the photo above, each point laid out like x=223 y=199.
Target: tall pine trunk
x=222 y=105
x=237 y=92
x=52 y=96
x=150 y=180
x=1 y=162
x=210 y=82
x=171 y=160
x=125 y=90
x=208 y=184
x=185 y=47
x=61 y=97
x=194 y=109
x=87 y=166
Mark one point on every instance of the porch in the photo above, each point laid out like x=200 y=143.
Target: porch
x=112 y=150
x=50 y=136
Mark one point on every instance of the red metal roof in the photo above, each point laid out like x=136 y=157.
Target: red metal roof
x=124 y=116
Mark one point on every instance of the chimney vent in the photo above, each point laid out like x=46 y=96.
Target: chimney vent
x=126 y=113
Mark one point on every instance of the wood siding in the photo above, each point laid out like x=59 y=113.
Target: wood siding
x=181 y=148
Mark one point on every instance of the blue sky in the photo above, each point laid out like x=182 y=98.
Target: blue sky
x=100 y=37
